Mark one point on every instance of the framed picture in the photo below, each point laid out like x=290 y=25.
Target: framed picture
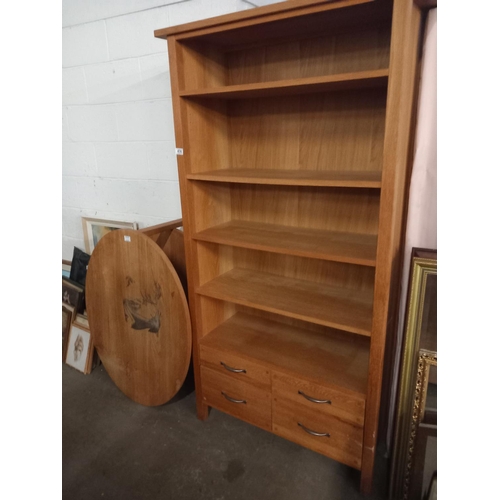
x=80 y=348
x=82 y=320
x=415 y=443
x=95 y=229
x=73 y=294
x=68 y=313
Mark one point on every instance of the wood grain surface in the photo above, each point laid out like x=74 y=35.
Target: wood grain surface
x=361 y=79
x=257 y=406
x=139 y=317
x=304 y=242
x=235 y=366
x=282 y=177
x=331 y=358
x=345 y=439
x=335 y=307
x=338 y=403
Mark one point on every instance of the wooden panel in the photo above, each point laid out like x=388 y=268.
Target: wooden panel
x=182 y=140
x=344 y=406
x=397 y=161
x=138 y=316
x=328 y=357
x=325 y=178
x=311 y=57
x=341 y=131
x=217 y=260
x=214 y=313
x=340 y=210
x=332 y=209
x=322 y=304
x=224 y=362
x=203 y=66
x=175 y=251
x=207 y=147
x=358 y=80
x=353 y=279
x=211 y=203
x=326 y=131
x=341 y=247
x=257 y=407
x=345 y=439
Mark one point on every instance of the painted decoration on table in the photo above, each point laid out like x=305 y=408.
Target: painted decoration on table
x=144 y=312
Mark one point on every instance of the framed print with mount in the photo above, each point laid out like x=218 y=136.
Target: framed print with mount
x=95 y=229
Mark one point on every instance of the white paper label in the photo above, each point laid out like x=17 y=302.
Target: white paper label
x=179 y=151
x=126 y=238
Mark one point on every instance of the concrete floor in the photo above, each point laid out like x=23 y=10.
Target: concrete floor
x=114 y=448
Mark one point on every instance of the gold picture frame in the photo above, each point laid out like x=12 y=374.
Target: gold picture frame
x=418 y=355
x=95 y=229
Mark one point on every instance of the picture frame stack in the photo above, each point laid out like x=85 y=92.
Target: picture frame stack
x=80 y=350
x=77 y=347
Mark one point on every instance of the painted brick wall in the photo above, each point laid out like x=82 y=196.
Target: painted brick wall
x=118 y=136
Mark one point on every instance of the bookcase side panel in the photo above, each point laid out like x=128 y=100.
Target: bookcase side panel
x=400 y=108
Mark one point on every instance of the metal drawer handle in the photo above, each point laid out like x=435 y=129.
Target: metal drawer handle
x=233 y=400
x=234 y=370
x=313 y=400
x=309 y=431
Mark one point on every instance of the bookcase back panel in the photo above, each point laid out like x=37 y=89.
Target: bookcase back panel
x=346 y=276
x=325 y=131
x=335 y=209
x=219 y=259
x=331 y=209
x=320 y=56
x=339 y=131
x=354 y=340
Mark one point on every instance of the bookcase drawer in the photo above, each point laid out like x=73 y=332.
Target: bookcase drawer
x=319 y=398
x=238 y=398
x=318 y=431
x=236 y=367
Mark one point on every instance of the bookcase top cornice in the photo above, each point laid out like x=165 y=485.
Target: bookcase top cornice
x=268 y=13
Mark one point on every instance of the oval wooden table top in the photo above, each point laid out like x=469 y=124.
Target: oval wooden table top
x=138 y=316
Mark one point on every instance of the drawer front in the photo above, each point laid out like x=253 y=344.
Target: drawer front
x=320 y=398
x=337 y=439
x=240 y=399
x=236 y=367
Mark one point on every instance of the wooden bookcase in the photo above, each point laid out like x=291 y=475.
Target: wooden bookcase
x=295 y=123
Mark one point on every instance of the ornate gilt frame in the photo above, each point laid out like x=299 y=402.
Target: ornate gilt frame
x=413 y=380
x=425 y=360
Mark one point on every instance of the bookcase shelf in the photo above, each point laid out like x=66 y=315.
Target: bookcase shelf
x=357 y=80
x=295 y=122
x=325 y=178
x=304 y=242
x=335 y=307
x=323 y=357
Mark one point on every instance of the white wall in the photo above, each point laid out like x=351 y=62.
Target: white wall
x=118 y=136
